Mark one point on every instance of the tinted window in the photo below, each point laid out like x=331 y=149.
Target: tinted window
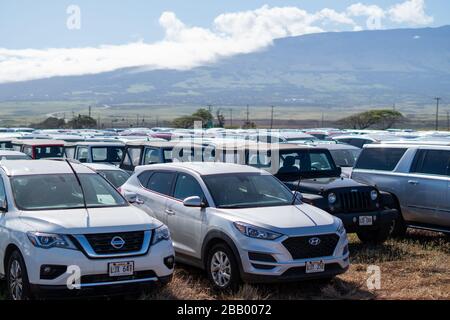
x=432 y=162
x=384 y=159
x=82 y=154
x=70 y=152
x=345 y=158
x=48 y=152
x=2 y=190
x=132 y=157
x=161 y=182
x=143 y=177
x=305 y=161
x=187 y=186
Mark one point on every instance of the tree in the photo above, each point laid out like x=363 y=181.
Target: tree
x=382 y=119
x=50 y=123
x=82 y=122
x=202 y=115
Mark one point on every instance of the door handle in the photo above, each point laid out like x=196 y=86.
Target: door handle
x=170 y=212
x=139 y=201
x=413 y=182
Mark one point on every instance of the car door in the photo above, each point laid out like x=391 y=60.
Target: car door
x=153 y=192
x=185 y=223
x=3 y=217
x=82 y=154
x=428 y=188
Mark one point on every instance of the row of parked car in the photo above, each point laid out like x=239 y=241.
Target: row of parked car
x=241 y=209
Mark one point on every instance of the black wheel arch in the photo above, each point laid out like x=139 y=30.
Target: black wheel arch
x=212 y=238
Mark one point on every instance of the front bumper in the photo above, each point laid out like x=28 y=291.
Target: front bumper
x=284 y=267
x=381 y=218
x=149 y=269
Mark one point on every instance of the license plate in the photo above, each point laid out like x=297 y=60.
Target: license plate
x=365 y=221
x=117 y=269
x=315 y=266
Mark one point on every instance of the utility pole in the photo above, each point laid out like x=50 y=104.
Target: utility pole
x=448 y=121
x=271 y=117
x=137 y=120
x=90 y=111
x=248 y=114
x=231 y=117
x=437 y=112
x=321 y=121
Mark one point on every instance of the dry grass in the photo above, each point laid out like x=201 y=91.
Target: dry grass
x=415 y=267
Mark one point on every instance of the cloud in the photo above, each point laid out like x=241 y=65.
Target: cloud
x=185 y=47
x=411 y=12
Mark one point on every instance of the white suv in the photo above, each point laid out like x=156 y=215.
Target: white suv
x=64 y=228
x=239 y=222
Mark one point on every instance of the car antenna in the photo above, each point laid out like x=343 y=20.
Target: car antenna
x=79 y=183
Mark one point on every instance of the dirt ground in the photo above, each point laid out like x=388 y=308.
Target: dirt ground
x=414 y=267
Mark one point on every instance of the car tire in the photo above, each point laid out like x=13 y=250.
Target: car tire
x=377 y=236
x=398 y=227
x=17 y=284
x=222 y=268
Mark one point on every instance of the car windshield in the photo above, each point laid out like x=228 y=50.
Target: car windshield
x=42 y=152
x=107 y=154
x=247 y=190
x=345 y=158
x=116 y=177
x=306 y=163
x=62 y=191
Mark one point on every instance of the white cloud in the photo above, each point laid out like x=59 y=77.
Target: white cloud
x=411 y=12
x=185 y=47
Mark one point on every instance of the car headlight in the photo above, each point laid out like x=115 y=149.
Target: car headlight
x=256 y=232
x=50 y=240
x=340 y=228
x=373 y=195
x=160 y=234
x=332 y=198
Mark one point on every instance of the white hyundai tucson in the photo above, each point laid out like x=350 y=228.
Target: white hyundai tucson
x=239 y=223
x=65 y=229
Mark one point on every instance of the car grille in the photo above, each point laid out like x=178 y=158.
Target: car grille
x=354 y=201
x=101 y=243
x=300 y=247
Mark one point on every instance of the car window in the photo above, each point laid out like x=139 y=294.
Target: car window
x=70 y=152
x=2 y=190
x=28 y=151
x=161 y=182
x=48 y=152
x=384 y=159
x=151 y=156
x=143 y=177
x=116 y=177
x=107 y=154
x=132 y=157
x=435 y=162
x=345 y=158
x=186 y=186
x=82 y=154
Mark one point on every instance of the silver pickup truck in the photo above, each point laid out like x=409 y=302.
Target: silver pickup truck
x=418 y=176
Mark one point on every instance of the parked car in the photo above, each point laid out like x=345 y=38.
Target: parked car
x=355 y=140
x=115 y=175
x=95 y=152
x=311 y=170
x=417 y=176
x=139 y=153
x=239 y=223
x=13 y=155
x=280 y=137
x=40 y=148
x=58 y=218
x=344 y=156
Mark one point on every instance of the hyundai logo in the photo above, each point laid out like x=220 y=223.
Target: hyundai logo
x=314 y=241
x=117 y=242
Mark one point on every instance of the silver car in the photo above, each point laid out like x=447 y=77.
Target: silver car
x=239 y=223
x=418 y=176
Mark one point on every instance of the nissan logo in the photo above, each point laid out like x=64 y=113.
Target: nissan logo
x=314 y=241
x=117 y=242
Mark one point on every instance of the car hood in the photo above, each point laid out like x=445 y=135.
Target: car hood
x=318 y=185
x=285 y=219
x=82 y=221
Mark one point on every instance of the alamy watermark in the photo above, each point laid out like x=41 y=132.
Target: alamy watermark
x=73 y=21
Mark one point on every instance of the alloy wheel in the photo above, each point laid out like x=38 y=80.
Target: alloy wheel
x=221 y=269
x=15 y=280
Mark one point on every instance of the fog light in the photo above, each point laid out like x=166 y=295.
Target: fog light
x=169 y=262
x=50 y=272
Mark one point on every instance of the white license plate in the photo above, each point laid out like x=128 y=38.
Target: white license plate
x=315 y=266
x=365 y=221
x=117 y=269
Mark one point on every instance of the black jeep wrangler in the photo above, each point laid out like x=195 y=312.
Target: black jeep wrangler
x=311 y=171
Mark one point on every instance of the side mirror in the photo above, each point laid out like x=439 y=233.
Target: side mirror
x=3 y=206
x=194 y=202
x=131 y=197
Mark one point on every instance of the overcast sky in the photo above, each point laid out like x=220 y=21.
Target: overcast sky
x=47 y=38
